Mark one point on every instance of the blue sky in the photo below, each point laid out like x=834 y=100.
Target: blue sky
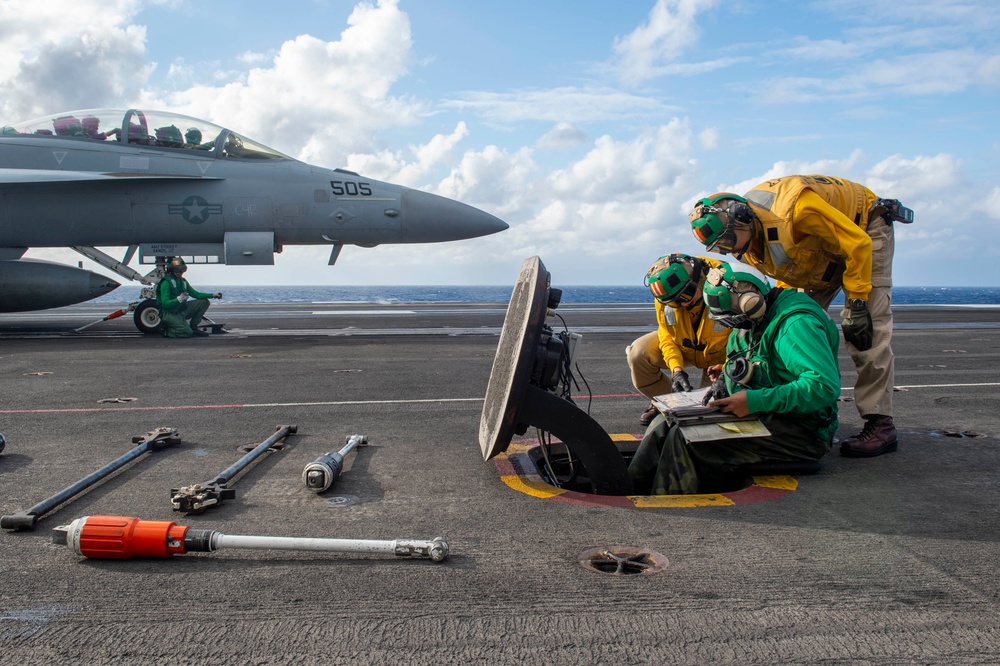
x=589 y=127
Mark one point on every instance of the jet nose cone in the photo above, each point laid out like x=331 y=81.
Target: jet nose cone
x=428 y=218
x=101 y=284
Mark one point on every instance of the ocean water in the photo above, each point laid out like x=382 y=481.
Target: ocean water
x=501 y=294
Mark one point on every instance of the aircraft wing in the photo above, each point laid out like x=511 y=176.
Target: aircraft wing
x=35 y=176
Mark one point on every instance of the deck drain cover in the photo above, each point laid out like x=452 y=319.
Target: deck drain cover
x=341 y=500
x=623 y=560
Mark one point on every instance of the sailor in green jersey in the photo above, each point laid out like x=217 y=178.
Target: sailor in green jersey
x=181 y=305
x=781 y=367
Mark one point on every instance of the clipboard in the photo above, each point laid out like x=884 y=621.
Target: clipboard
x=699 y=423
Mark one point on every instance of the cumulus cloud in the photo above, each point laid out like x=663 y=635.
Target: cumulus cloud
x=394 y=166
x=317 y=100
x=844 y=167
x=493 y=178
x=48 y=63
x=620 y=198
x=668 y=31
x=903 y=178
x=563 y=135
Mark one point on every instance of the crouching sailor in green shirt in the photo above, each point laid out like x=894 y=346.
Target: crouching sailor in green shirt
x=781 y=367
x=181 y=305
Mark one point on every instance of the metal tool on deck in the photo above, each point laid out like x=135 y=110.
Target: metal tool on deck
x=200 y=496
x=113 y=315
x=154 y=440
x=125 y=537
x=322 y=472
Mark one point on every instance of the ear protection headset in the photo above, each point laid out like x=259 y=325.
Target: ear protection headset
x=740 y=370
x=750 y=303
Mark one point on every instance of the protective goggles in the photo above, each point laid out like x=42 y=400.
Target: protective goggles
x=725 y=243
x=684 y=298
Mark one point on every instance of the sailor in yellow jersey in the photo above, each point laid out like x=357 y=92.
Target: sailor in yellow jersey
x=685 y=336
x=822 y=234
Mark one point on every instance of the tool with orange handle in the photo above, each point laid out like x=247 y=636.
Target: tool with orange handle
x=125 y=537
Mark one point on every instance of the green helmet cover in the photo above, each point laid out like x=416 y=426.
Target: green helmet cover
x=709 y=221
x=675 y=277
x=723 y=288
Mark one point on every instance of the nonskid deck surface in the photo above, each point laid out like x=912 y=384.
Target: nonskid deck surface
x=890 y=559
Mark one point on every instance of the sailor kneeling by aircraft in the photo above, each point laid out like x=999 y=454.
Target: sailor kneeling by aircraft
x=182 y=307
x=781 y=367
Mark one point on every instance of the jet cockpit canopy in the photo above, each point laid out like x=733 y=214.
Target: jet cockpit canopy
x=133 y=127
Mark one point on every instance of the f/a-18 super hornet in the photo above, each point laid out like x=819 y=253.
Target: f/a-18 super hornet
x=165 y=185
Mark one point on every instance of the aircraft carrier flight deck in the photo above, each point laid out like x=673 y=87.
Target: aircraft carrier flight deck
x=884 y=560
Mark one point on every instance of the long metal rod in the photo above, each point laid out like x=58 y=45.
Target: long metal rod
x=227 y=474
x=436 y=549
x=27 y=519
x=352 y=442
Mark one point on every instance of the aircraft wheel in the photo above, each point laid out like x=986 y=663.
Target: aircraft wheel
x=147 y=317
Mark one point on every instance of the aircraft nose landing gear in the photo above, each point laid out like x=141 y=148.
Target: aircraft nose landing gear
x=147 y=317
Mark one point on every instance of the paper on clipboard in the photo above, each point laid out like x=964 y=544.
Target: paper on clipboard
x=727 y=430
x=701 y=423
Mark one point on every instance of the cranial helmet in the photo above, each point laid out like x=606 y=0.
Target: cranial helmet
x=736 y=299
x=176 y=264
x=170 y=136
x=714 y=220
x=675 y=278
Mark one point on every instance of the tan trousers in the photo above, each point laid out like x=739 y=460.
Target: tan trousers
x=876 y=367
x=645 y=361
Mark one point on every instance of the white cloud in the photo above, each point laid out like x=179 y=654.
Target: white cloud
x=620 y=198
x=388 y=165
x=993 y=204
x=565 y=104
x=563 y=135
x=318 y=100
x=900 y=178
x=668 y=31
x=492 y=178
x=832 y=167
x=709 y=138
x=909 y=75
x=48 y=62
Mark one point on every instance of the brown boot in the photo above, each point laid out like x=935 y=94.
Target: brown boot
x=648 y=415
x=877 y=437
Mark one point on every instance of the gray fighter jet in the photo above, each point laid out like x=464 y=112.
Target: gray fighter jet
x=165 y=185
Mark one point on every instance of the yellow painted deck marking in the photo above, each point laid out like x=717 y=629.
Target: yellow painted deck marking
x=527 y=480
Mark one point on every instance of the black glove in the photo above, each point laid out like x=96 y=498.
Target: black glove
x=857 y=324
x=716 y=391
x=680 y=381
